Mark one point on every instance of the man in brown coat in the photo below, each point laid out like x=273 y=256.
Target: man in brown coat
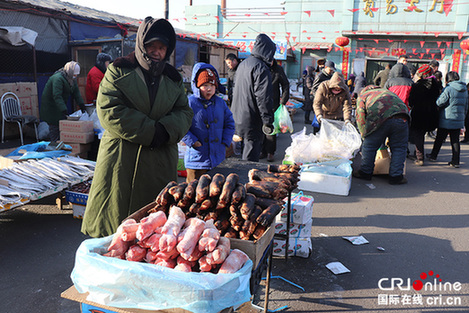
x=332 y=100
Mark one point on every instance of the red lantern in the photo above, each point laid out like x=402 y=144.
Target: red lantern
x=342 y=41
x=465 y=45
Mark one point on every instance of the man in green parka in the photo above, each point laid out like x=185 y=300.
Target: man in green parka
x=144 y=110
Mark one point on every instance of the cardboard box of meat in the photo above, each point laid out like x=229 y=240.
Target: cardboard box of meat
x=254 y=249
x=242 y=213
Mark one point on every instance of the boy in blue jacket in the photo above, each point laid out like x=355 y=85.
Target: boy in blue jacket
x=212 y=127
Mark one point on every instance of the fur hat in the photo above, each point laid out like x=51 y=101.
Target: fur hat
x=206 y=76
x=424 y=70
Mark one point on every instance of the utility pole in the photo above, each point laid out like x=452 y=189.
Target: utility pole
x=166 y=9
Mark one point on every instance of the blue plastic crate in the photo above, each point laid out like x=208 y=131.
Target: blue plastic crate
x=76 y=197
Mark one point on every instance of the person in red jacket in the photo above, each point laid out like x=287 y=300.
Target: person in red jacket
x=400 y=81
x=95 y=75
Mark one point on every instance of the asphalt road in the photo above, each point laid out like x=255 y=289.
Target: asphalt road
x=422 y=227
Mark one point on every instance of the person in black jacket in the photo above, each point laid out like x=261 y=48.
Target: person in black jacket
x=308 y=79
x=360 y=83
x=232 y=62
x=324 y=74
x=424 y=111
x=281 y=94
x=252 y=98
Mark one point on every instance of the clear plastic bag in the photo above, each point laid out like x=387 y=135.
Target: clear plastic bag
x=125 y=284
x=282 y=121
x=340 y=140
x=305 y=148
x=336 y=140
x=96 y=124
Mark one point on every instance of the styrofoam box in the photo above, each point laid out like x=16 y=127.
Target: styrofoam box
x=300 y=247
x=301 y=209
x=325 y=183
x=78 y=210
x=296 y=230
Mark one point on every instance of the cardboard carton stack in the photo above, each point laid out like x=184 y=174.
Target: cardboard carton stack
x=78 y=134
x=301 y=221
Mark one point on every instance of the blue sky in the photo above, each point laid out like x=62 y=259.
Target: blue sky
x=142 y=8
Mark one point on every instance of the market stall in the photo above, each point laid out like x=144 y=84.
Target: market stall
x=215 y=230
x=32 y=179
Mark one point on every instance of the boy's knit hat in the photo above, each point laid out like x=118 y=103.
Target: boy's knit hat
x=206 y=76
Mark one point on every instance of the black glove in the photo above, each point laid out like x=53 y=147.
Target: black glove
x=268 y=129
x=82 y=108
x=160 y=137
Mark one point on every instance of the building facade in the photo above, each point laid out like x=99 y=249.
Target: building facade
x=378 y=31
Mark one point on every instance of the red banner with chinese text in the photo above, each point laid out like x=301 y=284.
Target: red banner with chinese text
x=456 y=60
x=345 y=59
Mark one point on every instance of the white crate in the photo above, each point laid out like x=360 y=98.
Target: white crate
x=300 y=247
x=301 y=209
x=296 y=230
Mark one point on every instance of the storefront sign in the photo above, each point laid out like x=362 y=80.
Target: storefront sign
x=412 y=6
x=245 y=46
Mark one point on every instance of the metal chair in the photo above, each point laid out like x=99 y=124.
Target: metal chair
x=11 y=112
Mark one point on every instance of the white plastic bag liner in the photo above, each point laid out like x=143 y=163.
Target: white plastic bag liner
x=125 y=284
